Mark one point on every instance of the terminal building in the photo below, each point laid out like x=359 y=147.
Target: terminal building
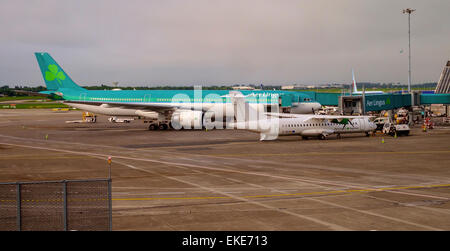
x=361 y=104
x=352 y=104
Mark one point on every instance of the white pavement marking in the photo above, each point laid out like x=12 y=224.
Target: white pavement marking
x=376 y=214
x=327 y=224
x=228 y=170
x=309 y=180
x=438 y=210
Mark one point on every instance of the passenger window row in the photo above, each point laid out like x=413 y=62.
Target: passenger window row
x=314 y=124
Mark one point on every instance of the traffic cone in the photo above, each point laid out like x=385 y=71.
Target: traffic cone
x=382 y=140
x=46 y=136
x=395 y=135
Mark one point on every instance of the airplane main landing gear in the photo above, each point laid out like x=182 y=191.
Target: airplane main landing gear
x=154 y=127
x=322 y=136
x=163 y=127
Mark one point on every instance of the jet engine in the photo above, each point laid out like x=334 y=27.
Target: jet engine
x=187 y=119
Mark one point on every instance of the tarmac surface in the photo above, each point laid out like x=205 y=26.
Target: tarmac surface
x=229 y=180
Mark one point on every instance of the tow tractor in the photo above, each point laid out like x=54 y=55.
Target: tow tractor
x=89 y=117
x=391 y=128
x=380 y=123
x=115 y=119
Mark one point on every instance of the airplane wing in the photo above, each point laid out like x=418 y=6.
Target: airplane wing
x=31 y=93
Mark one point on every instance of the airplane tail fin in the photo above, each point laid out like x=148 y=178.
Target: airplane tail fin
x=54 y=76
x=243 y=111
x=354 y=82
x=249 y=118
x=240 y=106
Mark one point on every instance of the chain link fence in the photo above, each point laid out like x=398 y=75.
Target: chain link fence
x=81 y=205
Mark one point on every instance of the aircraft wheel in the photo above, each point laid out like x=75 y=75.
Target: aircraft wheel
x=322 y=137
x=152 y=127
x=392 y=132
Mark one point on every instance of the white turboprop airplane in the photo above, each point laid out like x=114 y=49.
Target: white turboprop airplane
x=355 y=90
x=272 y=125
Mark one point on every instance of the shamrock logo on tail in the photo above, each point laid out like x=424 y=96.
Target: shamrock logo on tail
x=53 y=74
x=343 y=121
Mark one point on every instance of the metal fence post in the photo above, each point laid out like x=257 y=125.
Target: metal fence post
x=110 y=203
x=88 y=199
x=65 y=204
x=19 y=205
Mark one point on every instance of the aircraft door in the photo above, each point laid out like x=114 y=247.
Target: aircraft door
x=147 y=98
x=83 y=97
x=364 y=124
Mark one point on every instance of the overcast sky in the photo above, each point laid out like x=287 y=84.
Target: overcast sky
x=213 y=42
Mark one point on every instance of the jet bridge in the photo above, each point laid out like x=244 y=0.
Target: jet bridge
x=360 y=104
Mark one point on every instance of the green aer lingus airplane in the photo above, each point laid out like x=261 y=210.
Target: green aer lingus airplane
x=163 y=108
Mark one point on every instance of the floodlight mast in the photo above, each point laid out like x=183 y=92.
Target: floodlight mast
x=409 y=11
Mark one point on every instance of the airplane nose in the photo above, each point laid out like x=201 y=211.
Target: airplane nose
x=317 y=106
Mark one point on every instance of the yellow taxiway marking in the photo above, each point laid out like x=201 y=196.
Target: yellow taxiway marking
x=42 y=156
x=291 y=194
x=248 y=196
x=57 y=200
x=329 y=153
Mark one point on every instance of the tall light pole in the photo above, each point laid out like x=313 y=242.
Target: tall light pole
x=409 y=11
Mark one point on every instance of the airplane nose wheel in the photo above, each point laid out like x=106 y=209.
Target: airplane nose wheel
x=322 y=137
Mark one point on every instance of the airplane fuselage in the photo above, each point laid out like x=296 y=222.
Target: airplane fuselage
x=368 y=92
x=300 y=127
x=306 y=126
x=207 y=100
